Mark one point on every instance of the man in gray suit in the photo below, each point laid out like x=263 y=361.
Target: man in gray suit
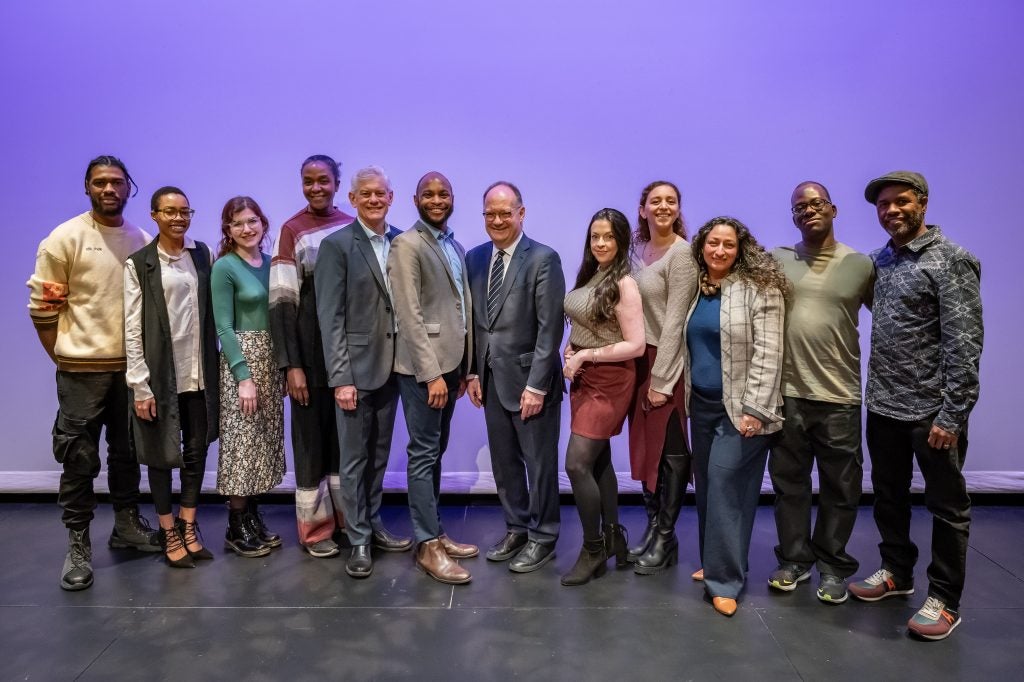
x=358 y=328
x=517 y=375
x=433 y=308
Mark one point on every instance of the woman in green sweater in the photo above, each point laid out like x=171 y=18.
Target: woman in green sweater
x=251 y=407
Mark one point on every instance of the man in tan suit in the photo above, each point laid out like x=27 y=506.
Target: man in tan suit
x=427 y=268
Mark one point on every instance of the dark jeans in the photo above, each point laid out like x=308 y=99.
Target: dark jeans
x=524 y=459
x=829 y=433
x=90 y=401
x=428 y=439
x=727 y=473
x=314 y=438
x=892 y=445
x=365 y=437
x=192 y=414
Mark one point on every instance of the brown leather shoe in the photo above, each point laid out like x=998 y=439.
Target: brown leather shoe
x=432 y=559
x=724 y=605
x=458 y=550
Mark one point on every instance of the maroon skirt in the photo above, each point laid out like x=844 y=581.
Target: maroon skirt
x=647 y=425
x=599 y=398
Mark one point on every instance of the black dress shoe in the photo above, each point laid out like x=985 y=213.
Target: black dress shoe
x=359 y=564
x=532 y=557
x=507 y=547
x=386 y=542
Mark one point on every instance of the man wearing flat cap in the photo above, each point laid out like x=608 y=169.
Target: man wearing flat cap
x=926 y=338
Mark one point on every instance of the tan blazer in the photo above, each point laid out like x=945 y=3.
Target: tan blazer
x=432 y=335
x=751 y=328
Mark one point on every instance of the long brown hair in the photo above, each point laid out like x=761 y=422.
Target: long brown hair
x=753 y=264
x=606 y=293
x=235 y=206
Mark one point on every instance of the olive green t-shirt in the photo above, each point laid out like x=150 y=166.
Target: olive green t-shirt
x=822 y=343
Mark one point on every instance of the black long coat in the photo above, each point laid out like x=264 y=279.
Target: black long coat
x=157 y=443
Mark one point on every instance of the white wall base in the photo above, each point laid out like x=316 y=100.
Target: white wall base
x=482 y=482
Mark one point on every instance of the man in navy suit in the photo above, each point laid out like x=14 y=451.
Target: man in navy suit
x=357 y=322
x=518 y=288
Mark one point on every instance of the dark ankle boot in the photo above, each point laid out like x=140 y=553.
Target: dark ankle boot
x=260 y=528
x=664 y=549
x=615 y=543
x=132 y=531
x=173 y=543
x=191 y=534
x=77 y=571
x=651 y=507
x=240 y=537
x=591 y=563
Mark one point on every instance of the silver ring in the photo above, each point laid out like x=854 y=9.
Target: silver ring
x=751 y=428
x=946 y=446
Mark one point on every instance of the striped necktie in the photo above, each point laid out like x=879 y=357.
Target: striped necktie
x=494 y=285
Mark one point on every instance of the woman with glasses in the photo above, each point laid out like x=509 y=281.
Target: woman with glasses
x=733 y=374
x=666 y=275
x=171 y=345
x=251 y=408
x=606 y=336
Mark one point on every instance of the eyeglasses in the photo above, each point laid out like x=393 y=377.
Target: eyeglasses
x=172 y=213
x=249 y=222
x=489 y=216
x=816 y=204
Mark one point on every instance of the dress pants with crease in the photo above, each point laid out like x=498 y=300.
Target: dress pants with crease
x=524 y=459
x=365 y=437
x=728 y=470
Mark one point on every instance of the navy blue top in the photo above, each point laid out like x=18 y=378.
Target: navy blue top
x=704 y=342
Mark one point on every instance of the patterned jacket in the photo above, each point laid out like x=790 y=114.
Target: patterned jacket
x=926 y=332
x=751 y=328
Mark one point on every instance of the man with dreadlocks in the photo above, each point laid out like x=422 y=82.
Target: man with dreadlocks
x=77 y=307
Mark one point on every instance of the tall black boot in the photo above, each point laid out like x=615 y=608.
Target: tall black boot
x=267 y=537
x=241 y=538
x=664 y=548
x=651 y=507
x=591 y=563
x=615 y=543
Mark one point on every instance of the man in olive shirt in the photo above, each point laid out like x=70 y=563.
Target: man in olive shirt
x=822 y=394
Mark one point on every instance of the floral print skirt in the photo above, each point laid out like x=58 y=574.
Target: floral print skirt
x=251 y=446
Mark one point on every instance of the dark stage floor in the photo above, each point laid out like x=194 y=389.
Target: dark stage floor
x=291 y=617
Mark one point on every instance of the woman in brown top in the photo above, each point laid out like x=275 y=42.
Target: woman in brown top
x=606 y=336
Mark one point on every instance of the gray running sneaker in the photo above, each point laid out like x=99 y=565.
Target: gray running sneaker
x=786 y=577
x=832 y=589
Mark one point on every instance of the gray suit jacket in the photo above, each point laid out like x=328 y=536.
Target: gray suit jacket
x=522 y=345
x=356 y=314
x=751 y=332
x=433 y=338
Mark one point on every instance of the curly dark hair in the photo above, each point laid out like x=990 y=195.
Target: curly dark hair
x=753 y=264
x=234 y=206
x=606 y=293
x=643 y=230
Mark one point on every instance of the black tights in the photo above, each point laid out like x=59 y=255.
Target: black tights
x=595 y=488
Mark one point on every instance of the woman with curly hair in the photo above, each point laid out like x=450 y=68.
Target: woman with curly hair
x=251 y=408
x=733 y=373
x=606 y=336
x=659 y=456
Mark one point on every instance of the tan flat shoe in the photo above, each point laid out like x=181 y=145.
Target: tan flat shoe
x=724 y=605
x=698 y=575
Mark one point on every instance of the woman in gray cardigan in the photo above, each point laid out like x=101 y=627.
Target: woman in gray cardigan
x=733 y=374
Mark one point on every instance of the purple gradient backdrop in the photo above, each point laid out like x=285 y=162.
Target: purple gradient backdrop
x=580 y=103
